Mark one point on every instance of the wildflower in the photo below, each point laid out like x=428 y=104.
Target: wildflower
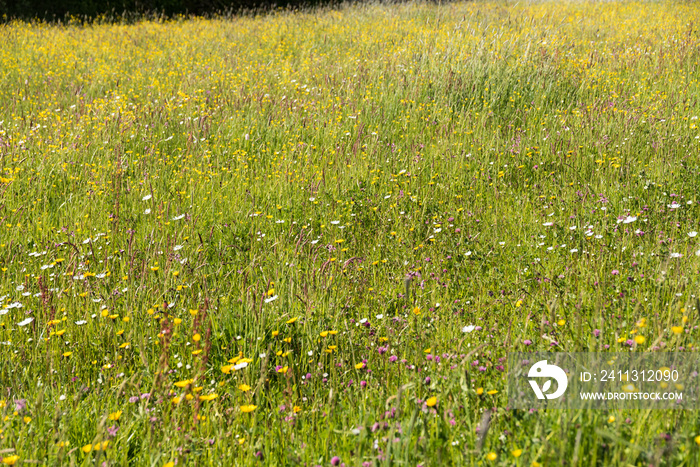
x=335 y=460
x=492 y=456
x=208 y=397
x=431 y=402
x=248 y=408
x=184 y=383
x=10 y=460
x=359 y=366
x=114 y=416
x=677 y=329
x=87 y=448
x=516 y=452
x=293 y=320
x=639 y=339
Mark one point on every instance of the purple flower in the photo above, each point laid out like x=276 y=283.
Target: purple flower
x=393 y=358
x=596 y=332
x=335 y=460
x=133 y=399
x=20 y=405
x=527 y=342
x=615 y=272
x=363 y=383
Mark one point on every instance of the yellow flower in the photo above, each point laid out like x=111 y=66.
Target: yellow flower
x=561 y=322
x=197 y=337
x=67 y=354
x=516 y=452
x=359 y=366
x=611 y=419
x=10 y=460
x=639 y=339
x=226 y=369
x=184 y=383
x=169 y=464
x=283 y=369
x=244 y=387
x=248 y=408
x=27 y=419
x=87 y=448
x=208 y=397
x=491 y=456
x=293 y=320
x=416 y=311
x=324 y=333
x=431 y=402
x=697 y=440
x=492 y=392
x=518 y=304
x=297 y=409
x=677 y=329
x=115 y=415
x=479 y=391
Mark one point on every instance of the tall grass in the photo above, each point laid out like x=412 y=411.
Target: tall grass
x=314 y=237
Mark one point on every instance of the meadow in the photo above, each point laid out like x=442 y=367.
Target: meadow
x=314 y=237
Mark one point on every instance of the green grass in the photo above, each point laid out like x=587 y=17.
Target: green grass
x=163 y=181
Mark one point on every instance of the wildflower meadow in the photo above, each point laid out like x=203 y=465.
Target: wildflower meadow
x=313 y=237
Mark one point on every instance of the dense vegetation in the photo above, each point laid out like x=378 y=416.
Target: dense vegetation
x=120 y=10
x=314 y=238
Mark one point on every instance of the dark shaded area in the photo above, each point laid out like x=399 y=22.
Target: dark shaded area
x=116 y=10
